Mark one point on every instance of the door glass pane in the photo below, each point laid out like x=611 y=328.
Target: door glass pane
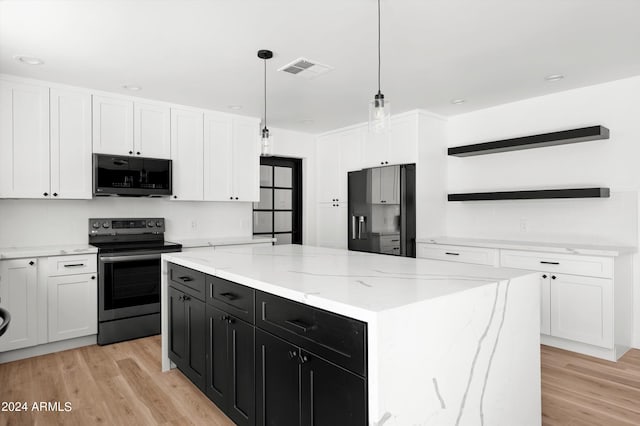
x=262 y=221
x=283 y=239
x=266 y=199
x=282 y=222
x=266 y=176
x=282 y=177
x=282 y=199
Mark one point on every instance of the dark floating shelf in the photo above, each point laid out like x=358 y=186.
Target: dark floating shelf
x=532 y=195
x=563 y=137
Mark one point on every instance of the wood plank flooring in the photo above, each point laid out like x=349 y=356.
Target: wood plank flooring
x=122 y=384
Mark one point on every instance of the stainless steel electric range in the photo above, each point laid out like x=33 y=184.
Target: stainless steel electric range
x=129 y=253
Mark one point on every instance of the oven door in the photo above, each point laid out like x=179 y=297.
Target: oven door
x=128 y=285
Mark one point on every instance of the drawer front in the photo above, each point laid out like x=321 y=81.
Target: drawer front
x=339 y=339
x=188 y=280
x=231 y=297
x=591 y=266
x=72 y=265
x=476 y=255
x=390 y=239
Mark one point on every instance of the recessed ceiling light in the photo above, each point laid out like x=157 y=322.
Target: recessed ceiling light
x=235 y=107
x=458 y=101
x=29 y=60
x=554 y=77
x=133 y=88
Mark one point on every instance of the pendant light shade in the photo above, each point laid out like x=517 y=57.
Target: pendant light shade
x=266 y=139
x=379 y=107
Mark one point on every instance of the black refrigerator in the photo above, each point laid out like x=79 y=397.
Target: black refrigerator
x=382 y=210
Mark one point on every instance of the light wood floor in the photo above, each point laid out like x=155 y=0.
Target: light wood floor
x=122 y=384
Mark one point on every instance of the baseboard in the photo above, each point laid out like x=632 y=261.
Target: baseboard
x=583 y=348
x=47 y=348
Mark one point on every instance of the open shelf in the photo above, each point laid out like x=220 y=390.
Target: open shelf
x=563 y=137
x=532 y=195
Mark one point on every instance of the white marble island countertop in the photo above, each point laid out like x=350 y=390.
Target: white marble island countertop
x=447 y=343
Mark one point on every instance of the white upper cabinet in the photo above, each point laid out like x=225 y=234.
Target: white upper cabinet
x=245 y=175
x=231 y=158
x=337 y=154
x=125 y=127
x=71 y=170
x=24 y=140
x=112 y=126
x=187 y=129
x=152 y=134
x=400 y=146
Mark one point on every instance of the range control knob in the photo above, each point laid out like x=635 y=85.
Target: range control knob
x=150 y=224
x=95 y=225
x=159 y=223
x=105 y=225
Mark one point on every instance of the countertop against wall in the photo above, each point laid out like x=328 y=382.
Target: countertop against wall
x=567 y=248
x=44 y=251
x=221 y=241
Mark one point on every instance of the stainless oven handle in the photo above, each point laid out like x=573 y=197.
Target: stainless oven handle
x=133 y=258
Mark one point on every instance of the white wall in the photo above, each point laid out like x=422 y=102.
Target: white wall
x=293 y=144
x=608 y=163
x=52 y=222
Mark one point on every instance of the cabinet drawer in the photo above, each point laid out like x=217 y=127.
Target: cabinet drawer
x=477 y=255
x=390 y=239
x=188 y=280
x=562 y=263
x=339 y=339
x=231 y=297
x=71 y=265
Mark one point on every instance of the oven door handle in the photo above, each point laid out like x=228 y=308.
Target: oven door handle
x=133 y=258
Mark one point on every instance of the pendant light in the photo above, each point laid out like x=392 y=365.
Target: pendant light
x=379 y=108
x=266 y=140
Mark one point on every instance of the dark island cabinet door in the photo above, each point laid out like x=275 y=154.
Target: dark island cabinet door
x=241 y=371
x=216 y=357
x=277 y=382
x=195 y=315
x=177 y=327
x=331 y=395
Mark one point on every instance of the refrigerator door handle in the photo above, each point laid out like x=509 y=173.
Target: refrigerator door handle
x=361 y=225
x=353 y=227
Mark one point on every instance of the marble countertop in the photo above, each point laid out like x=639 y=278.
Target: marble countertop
x=354 y=284
x=566 y=248
x=44 y=251
x=220 y=241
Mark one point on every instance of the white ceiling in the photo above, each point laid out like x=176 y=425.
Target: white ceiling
x=203 y=52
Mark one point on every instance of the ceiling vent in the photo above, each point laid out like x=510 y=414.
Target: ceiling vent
x=305 y=68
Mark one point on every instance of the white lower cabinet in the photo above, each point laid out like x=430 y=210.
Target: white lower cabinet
x=582 y=309
x=332 y=220
x=58 y=295
x=19 y=296
x=72 y=306
x=545 y=304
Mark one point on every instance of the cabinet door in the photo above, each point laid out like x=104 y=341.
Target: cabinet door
x=195 y=316
x=332 y=225
x=218 y=131
x=216 y=354
x=72 y=306
x=277 y=378
x=375 y=149
x=177 y=327
x=376 y=190
x=186 y=152
x=18 y=295
x=403 y=142
x=389 y=184
x=545 y=303
x=241 y=373
x=24 y=140
x=71 y=167
x=328 y=166
x=331 y=395
x=112 y=126
x=152 y=130
x=246 y=160
x=582 y=309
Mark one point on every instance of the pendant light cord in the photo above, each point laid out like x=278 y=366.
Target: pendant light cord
x=378 y=46
x=265 y=93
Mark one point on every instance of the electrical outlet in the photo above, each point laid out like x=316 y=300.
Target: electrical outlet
x=523 y=225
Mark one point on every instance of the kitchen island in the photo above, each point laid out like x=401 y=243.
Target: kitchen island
x=444 y=343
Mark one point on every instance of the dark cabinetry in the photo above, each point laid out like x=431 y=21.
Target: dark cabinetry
x=265 y=360
x=187 y=335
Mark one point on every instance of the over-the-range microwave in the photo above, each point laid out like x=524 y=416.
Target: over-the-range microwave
x=131 y=176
